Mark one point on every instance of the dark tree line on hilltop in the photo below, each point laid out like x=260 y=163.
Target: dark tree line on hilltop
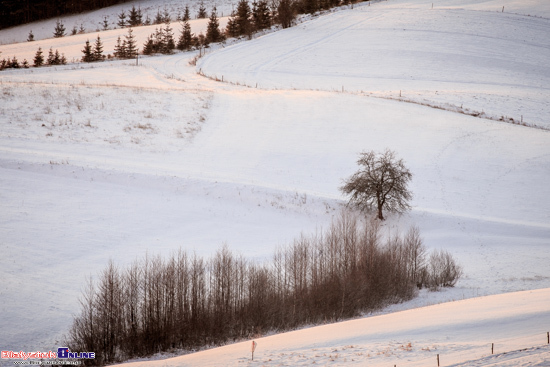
x=189 y=302
x=16 y=12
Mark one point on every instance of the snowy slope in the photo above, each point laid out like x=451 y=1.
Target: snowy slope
x=93 y=21
x=72 y=46
x=460 y=332
x=458 y=58
x=111 y=160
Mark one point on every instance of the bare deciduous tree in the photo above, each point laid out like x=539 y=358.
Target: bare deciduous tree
x=381 y=181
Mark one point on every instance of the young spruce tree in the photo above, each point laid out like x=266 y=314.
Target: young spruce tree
x=120 y=49
x=185 y=42
x=242 y=19
x=186 y=14
x=59 y=30
x=135 y=17
x=51 y=57
x=39 y=58
x=122 y=19
x=261 y=15
x=213 y=33
x=98 y=49
x=87 y=51
x=202 y=11
x=131 y=47
x=168 y=43
x=105 y=23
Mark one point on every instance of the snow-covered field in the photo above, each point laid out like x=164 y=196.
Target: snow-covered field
x=511 y=325
x=112 y=160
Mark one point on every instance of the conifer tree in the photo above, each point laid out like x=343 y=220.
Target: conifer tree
x=231 y=28
x=38 y=58
x=87 y=51
x=148 y=46
x=14 y=64
x=166 y=16
x=62 y=60
x=213 y=33
x=158 y=18
x=30 y=38
x=25 y=64
x=168 y=44
x=74 y=31
x=98 y=50
x=186 y=37
x=242 y=19
x=105 y=23
x=135 y=17
x=261 y=15
x=81 y=30
x=57 y=58
x=51 y=57
x=202 y=11
x=186 y=14
x=59 y=30
x=120 y=49
x=122 y=19
x=131 y=49
x=158 y=40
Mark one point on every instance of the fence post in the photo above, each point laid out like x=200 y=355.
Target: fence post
x=438 y=360
x=253 y=348
x=548 y=336
x=492 y=348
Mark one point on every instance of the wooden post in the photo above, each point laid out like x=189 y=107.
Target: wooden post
x=492 y=348
x=253 y=348
x=548 y=336
x=438 y=360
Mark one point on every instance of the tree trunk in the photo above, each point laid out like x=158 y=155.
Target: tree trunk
x=380 y=216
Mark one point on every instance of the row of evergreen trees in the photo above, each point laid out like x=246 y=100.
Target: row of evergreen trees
x=243 y=22
x=53 y=58
x=187 y=301
x=94 y=53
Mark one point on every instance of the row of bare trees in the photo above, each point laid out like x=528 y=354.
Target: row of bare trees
x=187 y=301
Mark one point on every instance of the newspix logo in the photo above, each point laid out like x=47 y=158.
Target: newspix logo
x=64 y=353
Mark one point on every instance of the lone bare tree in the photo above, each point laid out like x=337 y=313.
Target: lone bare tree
x=381 y=181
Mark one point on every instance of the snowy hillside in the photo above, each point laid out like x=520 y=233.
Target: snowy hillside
x=462 y=333
x=112 y=160
x=482 y=62
x=93 y=21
